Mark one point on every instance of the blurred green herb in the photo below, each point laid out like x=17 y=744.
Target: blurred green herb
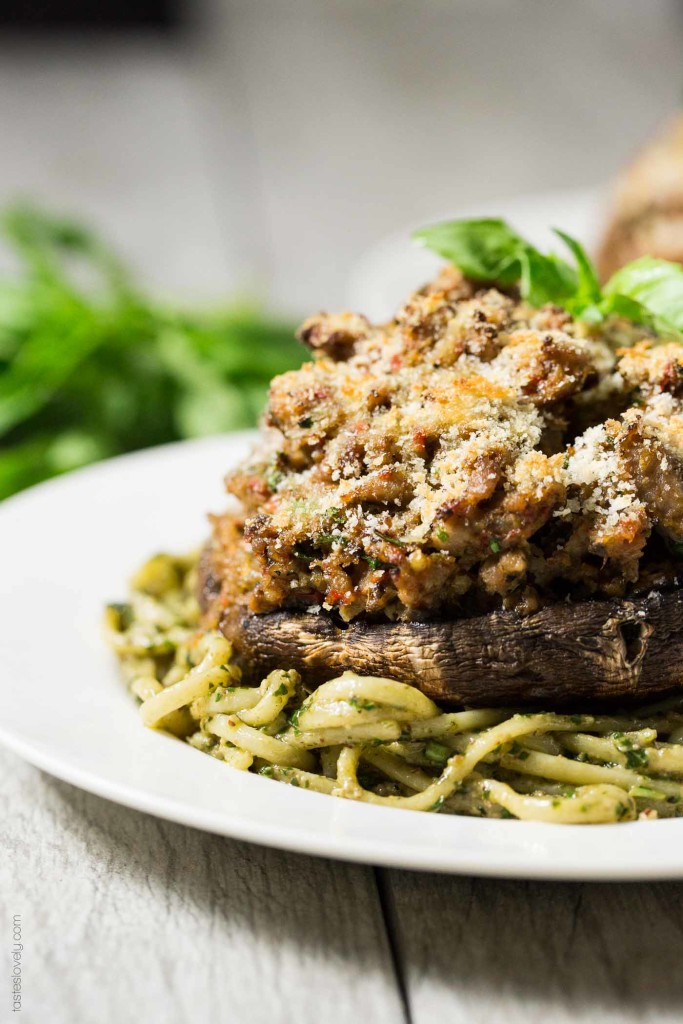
x=91 y=367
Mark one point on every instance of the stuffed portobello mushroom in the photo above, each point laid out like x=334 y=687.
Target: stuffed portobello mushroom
x=449 y=577
x=482 y=497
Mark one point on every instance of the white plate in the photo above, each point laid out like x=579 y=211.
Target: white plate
x=388 y=272
x=66 y=547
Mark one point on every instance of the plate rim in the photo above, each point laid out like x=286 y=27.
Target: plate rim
x=349 y=849
x=661 y=861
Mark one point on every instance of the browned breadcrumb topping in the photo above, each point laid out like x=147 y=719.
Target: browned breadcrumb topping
x=473 y=453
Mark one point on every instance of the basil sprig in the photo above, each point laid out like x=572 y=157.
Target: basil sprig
x=648 y=291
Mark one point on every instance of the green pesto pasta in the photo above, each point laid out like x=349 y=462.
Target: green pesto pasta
x=383 y=742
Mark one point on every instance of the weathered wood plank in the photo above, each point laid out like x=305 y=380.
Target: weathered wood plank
x=127 y=918
x=481 y=952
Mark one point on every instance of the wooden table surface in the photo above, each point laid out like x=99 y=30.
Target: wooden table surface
x=128 y=918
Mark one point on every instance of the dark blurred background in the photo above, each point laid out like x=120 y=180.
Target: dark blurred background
x=79 y=14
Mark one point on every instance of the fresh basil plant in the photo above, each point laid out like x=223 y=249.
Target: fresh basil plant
x=647 y=291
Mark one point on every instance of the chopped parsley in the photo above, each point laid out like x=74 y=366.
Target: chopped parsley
x=362 y=705
x=273 y=479
x=647 y=793
x=123 y=614
x=637 y=758
x=437 y=752
x=392 y=540
x=331 y=538
x=274 y=475
x=294 y=720
x=376 y=563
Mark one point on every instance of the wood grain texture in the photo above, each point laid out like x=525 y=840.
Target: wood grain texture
x=566 y=655
x=476 y=951
x=129 y=918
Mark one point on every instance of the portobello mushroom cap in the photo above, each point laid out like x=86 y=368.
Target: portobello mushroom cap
x=579 y=654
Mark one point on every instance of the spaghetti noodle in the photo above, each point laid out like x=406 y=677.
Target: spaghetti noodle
x=383 y=742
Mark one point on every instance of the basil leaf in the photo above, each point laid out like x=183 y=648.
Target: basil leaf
x=485 y=249
x=648 y=290
x=489 y=250
x=589 y=292
x=622 y=305
x=546 y=278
